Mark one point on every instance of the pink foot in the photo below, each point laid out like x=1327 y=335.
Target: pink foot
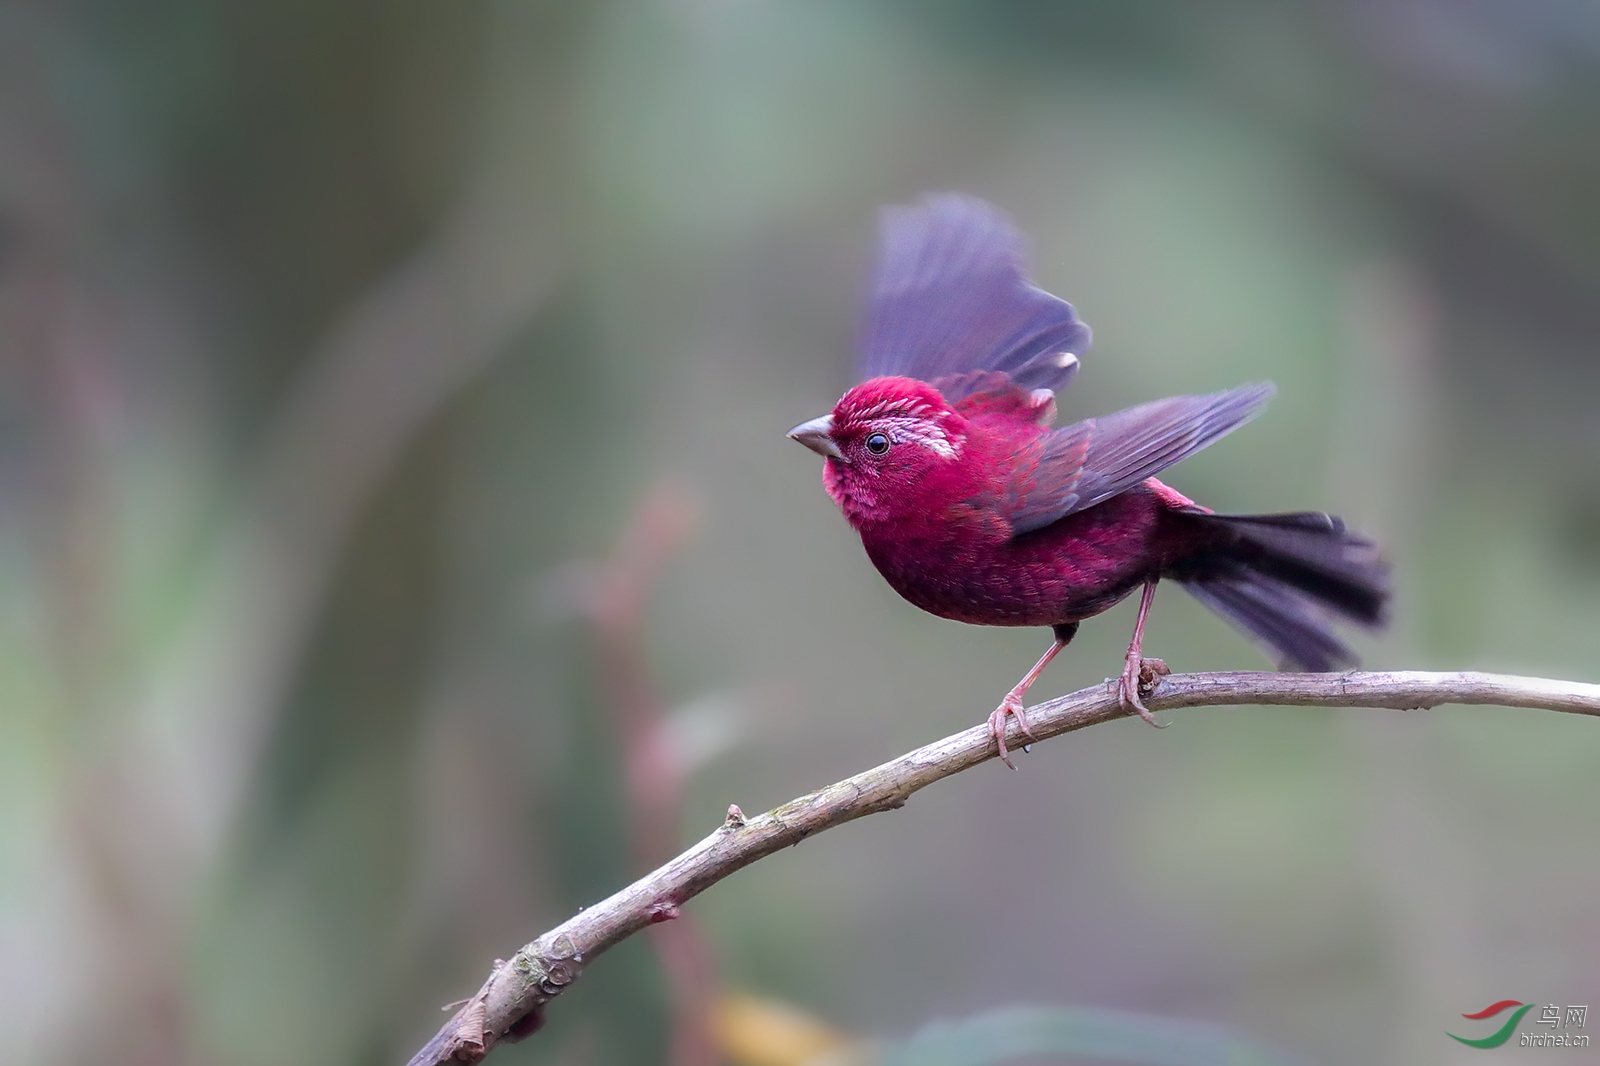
x=1138 y=677
x=1011 y=705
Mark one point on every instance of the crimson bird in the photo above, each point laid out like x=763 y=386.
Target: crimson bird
x=973 y=508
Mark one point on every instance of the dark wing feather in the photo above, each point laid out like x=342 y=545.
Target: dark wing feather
x=1278 y=617
x=1087 y=462
x=951 y=297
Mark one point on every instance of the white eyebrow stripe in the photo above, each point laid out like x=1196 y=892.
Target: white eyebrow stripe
x=924 y=431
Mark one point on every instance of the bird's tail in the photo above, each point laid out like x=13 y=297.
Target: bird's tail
x=1283 y=578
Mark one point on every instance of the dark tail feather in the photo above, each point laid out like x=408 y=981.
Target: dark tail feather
x=1283 y=578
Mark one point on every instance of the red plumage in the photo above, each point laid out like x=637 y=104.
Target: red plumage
x=973 y=508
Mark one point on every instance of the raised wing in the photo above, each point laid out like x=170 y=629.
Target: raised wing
x=951 y=298
x=1082 y=464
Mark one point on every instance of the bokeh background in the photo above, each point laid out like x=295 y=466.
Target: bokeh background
x=341 y=344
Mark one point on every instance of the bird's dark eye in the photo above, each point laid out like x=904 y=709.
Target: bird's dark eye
x=877 y=443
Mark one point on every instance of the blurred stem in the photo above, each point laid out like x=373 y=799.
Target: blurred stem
x=614 y=602
x=510 y=1004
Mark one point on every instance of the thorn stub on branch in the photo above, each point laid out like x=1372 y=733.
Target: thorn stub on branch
x=735 y=819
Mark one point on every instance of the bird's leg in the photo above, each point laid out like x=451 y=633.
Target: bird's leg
x=1012 y=704
x=1136 y=666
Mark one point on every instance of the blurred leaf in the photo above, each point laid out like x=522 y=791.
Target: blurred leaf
x=1118 y=1036
x=706 y=727
x=752 y=1031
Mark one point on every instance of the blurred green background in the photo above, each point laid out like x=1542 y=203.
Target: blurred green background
x=333 y=334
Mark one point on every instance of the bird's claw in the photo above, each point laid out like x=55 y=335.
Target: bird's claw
x=1139 y=679
x=1011 y=705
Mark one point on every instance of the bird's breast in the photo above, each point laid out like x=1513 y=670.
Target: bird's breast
x=966 y=565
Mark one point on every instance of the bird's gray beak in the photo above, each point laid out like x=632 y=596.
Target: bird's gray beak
x=817 y=435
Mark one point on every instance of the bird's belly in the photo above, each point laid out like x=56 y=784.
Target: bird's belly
x=1071 y=570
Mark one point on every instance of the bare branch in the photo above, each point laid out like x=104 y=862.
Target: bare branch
x=509 y=1006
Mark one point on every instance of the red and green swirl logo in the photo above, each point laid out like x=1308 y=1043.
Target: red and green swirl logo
x=1501 y=1035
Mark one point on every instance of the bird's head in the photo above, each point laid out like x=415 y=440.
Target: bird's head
x=884 y=441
